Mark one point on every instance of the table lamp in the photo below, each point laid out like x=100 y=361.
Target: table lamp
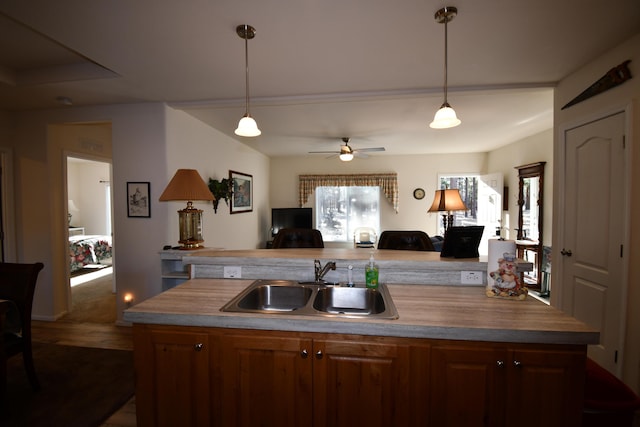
x=187 y=185
x=447 y=201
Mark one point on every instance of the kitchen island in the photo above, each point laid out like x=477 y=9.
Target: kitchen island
x=453 y=357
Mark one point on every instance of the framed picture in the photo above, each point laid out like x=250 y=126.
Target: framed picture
x=138 y=203
x=242 y=199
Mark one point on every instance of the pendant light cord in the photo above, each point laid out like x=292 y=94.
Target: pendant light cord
x=446 y=20
x=246 y=62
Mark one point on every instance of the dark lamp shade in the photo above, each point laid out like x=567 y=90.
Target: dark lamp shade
x=447 y=200
x=186 y=184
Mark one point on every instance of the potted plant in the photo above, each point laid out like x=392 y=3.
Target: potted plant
x=221 y=190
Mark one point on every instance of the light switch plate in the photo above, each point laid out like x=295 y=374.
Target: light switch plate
x=471 y=277
x=232 y=272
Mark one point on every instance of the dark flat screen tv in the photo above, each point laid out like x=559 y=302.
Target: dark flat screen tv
x=462 y=242
x=290 y=218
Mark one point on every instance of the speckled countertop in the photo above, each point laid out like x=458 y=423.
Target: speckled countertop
x=425 y=311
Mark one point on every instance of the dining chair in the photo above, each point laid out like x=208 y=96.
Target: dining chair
x=413 y=240
x=17 y=287
x=298 y=238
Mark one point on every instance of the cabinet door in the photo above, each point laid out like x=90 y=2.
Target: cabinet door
x=172 y=383
x=546 y=387
x=369 y=383
x=467 y=384
x=266 y=380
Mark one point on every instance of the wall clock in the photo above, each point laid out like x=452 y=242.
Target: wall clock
x=418 y=193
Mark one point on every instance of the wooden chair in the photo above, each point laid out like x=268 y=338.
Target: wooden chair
x=17 y=286
x=298 y=238
x=405 y=240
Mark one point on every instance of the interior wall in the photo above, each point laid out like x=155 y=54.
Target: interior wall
x=617 y=98
x=413 y=172
x=40 y=189
x=192 y=144
x=86 y=186
x=536 y=148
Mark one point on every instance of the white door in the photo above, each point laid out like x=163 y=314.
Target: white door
x=593 y=288
x=489 y=207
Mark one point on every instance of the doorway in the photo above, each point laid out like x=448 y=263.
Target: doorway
x=89 y=212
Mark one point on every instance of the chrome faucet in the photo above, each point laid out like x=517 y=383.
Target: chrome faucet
x=320 y=271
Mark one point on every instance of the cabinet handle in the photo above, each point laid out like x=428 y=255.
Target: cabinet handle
x=319 y=354
x=198 y=347
x=517 y=363
x=304 y=353
x=500 y=363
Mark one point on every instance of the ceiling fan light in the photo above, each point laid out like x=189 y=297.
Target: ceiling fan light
x=247 y=126
x=346 y=157
x=445 y=118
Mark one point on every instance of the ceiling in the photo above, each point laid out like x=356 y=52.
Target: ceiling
x=320 y=70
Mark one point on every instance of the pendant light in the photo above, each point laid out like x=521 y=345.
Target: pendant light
x=446 y=116
x=247 y=126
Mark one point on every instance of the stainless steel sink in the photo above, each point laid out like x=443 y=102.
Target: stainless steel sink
x=275 y=297
x=361 y=301
x=286 y=297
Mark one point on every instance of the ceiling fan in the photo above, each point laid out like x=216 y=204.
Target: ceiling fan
x=346 y=152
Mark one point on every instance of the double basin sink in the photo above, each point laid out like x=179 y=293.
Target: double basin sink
x=287 y=297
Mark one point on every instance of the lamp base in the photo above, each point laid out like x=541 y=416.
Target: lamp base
x=190 y=228
x=447 y=221
x=190 y=245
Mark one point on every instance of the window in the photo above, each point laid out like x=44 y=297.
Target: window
x=340 y=210
x=482 y=194
x=468 y=188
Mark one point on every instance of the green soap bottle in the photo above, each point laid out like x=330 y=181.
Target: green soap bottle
x=371 y=273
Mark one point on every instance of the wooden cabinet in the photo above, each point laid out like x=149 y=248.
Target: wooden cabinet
x=294 y=379
x=370 y=381
x=172 y=376
x=480 y=384
x=267 y=380
x=236 y=377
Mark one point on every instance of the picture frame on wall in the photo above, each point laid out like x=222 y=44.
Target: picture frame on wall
x=242 y=198
x=138 y=200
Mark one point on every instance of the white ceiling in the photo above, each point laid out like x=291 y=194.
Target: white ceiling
x=371 y=70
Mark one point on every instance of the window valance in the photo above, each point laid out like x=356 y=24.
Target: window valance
x=388 y=182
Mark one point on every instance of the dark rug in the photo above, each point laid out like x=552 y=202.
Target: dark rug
x=79 y=387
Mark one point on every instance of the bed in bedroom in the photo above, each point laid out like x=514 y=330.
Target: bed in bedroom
x=89 y=251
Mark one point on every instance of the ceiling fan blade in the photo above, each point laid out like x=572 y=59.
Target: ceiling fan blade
x=324 y=152
x=371 y=149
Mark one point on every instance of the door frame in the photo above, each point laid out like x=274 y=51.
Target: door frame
x=66 y=155
x=7 y=204
x=558 y=237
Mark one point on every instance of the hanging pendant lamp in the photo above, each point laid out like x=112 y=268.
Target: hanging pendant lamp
x=446 y=116
x=247 y=126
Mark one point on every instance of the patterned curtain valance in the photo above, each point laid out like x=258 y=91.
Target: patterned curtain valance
x=388 y=182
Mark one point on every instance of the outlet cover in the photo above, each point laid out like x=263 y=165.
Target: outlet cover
x=232 y=272
x=471 y=277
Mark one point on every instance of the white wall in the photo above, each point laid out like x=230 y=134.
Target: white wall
x=195 y=145
x=536 y=148
x=413 y=172
x=622 y=96
x=86 y=186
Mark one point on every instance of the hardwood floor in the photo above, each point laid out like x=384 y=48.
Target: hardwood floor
x=96 y=335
